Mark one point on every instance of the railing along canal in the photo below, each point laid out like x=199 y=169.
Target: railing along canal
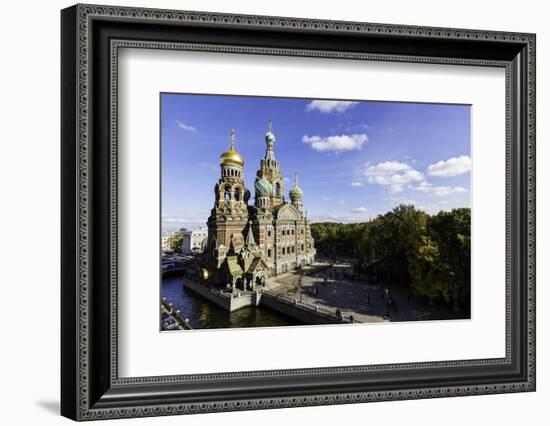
x=322 y=311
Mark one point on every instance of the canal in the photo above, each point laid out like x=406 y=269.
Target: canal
x=205 y=314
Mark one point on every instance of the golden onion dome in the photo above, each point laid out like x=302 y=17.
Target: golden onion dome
x=231 y=156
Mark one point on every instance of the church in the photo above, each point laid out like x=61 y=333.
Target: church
x=248 y=243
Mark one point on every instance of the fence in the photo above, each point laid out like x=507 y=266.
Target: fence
x=319 y=310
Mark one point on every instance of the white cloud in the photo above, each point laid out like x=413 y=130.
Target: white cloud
x=359 y=210
x=357 y=184
x=393 y=174
x=440 y=191
x=452 y=167
x=326 y=107
x=184 y=126
x=210 y=166
x=336 y=143
x=285 y=179
x=356 y=127
x=326 y=198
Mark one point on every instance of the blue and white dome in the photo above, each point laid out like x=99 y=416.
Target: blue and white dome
x=263 y=187
x=270 y=137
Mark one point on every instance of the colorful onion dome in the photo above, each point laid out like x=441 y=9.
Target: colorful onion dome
x=263 y=187
x=296 y=194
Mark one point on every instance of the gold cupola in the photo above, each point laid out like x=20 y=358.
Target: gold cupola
x=231 y=156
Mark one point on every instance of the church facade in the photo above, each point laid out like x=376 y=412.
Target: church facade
x=246 y=244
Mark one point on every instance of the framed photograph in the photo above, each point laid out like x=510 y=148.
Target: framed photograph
x=263 y=212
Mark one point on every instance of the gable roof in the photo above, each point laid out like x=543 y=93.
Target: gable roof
x=287 y=212
x=233 y=266
x=256 y=264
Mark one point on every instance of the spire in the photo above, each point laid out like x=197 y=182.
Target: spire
x=296 y=193
x=269 y=141
x=232 y=156
x=250 y=236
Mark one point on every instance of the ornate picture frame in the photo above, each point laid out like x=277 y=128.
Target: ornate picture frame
x=90 y=39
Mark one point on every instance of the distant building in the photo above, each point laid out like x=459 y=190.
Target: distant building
x=165 y=241
x=194 y=241
x=246 y=244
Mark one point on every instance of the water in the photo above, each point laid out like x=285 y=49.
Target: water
x=205 y=314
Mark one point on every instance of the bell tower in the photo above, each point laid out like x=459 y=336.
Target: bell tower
x=231 y=193
x=269 y=169
x=229 y=216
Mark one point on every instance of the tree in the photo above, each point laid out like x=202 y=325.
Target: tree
x=426 y=271
x=174 y=241
x=388 y=242
x=445 y=272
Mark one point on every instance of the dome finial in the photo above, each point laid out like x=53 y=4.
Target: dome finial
x=232 y=156
x=269 y=136
x=296 y=193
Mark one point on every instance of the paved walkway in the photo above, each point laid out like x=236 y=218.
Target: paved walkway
x=365 y=301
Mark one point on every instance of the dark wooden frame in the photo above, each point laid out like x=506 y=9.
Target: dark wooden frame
x=91 y=388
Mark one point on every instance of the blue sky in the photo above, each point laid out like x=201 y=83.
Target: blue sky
x=355 y=160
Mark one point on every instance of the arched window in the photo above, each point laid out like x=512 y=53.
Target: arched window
x=237 y=194
x=277 y=189
x=227 y=194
